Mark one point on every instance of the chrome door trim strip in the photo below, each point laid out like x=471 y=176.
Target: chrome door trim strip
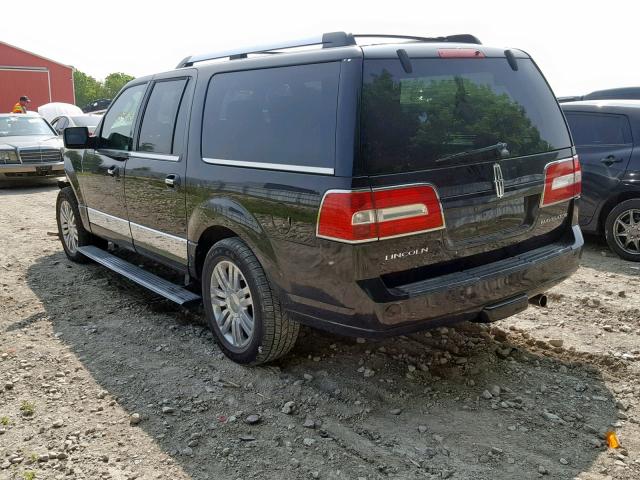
x=270 y=166
x=155 y=156
x=172 y=245
x=109 y=222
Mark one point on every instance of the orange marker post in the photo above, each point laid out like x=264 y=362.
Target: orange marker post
x=612 y=440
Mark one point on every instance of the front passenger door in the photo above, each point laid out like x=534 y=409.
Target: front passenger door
x=102 y=180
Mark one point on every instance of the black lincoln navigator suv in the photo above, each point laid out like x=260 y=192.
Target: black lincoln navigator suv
x=368 y=186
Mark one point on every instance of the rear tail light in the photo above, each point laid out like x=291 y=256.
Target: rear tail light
x=366 y=215
x=562 y=181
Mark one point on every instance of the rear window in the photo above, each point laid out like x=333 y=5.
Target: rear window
x=453 y=110
x=282 y=118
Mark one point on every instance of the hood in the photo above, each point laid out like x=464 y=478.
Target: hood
x=32 y=141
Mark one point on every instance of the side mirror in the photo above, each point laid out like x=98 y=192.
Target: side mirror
x=78 y=138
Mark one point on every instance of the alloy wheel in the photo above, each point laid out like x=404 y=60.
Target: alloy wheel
x=626 y=231
x=232 y=304
x=68 y=227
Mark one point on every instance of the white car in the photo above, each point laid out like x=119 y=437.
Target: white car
x=85 y=120
x=29 y=148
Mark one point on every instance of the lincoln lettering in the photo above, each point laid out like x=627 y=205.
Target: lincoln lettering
x=410 y=253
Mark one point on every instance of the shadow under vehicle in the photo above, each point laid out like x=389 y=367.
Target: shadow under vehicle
x=148 y=354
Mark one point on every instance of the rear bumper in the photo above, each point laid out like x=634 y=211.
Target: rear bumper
x=446 y=299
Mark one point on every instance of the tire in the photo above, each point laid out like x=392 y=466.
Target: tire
x=234 y=282
x=619 y=227
x=70 y=229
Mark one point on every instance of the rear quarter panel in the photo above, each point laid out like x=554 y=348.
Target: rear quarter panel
x=275 y=212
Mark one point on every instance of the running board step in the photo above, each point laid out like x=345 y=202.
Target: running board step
x=162 y=287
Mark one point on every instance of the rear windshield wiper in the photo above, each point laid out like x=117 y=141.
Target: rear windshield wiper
x=500 y=148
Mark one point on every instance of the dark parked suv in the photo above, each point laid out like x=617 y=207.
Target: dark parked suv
x=607 y=136
x=368 y=190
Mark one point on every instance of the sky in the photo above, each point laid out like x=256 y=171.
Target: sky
x=579 y=46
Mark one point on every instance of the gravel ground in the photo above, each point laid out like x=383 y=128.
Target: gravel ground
x=100 y=379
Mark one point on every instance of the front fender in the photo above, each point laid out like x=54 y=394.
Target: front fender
x=72 y=166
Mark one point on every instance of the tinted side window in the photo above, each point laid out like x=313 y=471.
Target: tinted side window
x=117 y=130
x=599 y=129
x=281 y=116
x=159 y=121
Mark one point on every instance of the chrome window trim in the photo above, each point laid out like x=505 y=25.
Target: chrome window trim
x=270 y=166
x=155 y=156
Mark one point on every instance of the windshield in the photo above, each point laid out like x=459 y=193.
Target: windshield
x=20 y=126
x=455 y=110
x=86 y=121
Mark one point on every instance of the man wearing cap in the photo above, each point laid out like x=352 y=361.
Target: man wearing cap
x=21 y=106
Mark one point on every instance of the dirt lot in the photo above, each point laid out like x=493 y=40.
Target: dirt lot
x=100 y=379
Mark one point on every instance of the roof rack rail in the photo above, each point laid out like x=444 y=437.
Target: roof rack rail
x=460 y=38
x=327 y=40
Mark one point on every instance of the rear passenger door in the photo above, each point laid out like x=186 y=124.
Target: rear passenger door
x=155 y=171
x=604 y=144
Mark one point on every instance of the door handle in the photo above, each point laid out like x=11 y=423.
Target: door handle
x=113 y=171
x=172 y=180
x=610 y=160
x=121 y=157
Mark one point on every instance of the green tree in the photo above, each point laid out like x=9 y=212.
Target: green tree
x=88 y=89
x=114 y=83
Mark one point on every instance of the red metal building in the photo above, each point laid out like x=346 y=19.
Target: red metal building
x=41 y=79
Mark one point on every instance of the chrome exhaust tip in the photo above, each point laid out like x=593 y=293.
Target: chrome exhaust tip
x=539 y=300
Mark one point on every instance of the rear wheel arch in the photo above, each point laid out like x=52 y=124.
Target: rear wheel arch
x=223 y=217
x=208 y=238
x=610 y=204
x=261 y=247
